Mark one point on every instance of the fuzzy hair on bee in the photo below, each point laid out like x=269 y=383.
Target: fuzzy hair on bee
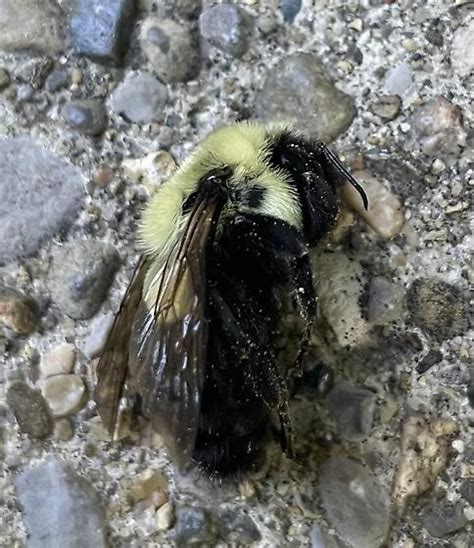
x=225 y=246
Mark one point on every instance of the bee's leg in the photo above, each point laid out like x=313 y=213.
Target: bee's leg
x=305 y=298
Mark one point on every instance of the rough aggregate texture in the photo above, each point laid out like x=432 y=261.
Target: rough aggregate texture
x=389 y=84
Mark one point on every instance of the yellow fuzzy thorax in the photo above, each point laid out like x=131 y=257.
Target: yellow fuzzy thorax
x=242 y=146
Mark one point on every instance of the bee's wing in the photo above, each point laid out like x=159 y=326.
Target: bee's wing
x=167 y=361
x=113 y=363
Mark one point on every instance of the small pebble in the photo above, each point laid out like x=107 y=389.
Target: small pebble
x=4 y=79
x=140 y=98
x=356 y=24
x=353 y=410
x=386 y=106
x=63 y=430
x=88 y=116
x=18 y=312
x=24 y=93
x=59 y=360
x=290 y=9
x=239 y=528
x=76 y=76
x=147 y=483
x=97 y=337
x=386 y=301
x=171 y=48
x=409 y=45
x=57 y=80
x=442 y=519
x=65 y=394
x=436 y=128
x=101 y=29
x=80 y=276
x=438 y=166
x=399 y=79
x=194 y=526
x=165 y=516
x=60 y=508
x=38 y=196
x=355 y=502
x=340 y=284
x=385 y=215
x=267 y=23
x=462 y=50
x=467 y=490
x=225 y=27
x=302 y=92
x=432 y=358
x=30 y=410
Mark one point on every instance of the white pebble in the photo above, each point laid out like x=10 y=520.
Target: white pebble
x=95 y=342
x=58 y=361
x=437 y=166
x=458 y=445
x=65 y=394
x=165 y=516
x=385 y=215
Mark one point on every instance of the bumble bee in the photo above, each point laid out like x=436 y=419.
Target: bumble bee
x=225 y=242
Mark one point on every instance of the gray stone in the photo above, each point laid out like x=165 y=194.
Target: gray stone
x=226 y=27
x=30 y=410
x=467 y=490
x=437 y=307
x=172 y=49
x=290 y=9
x=18 y=312
x=30 y=24
x=194 y=526
x=97 y=337
x=462 y=50
x=320 y=379
x=24 y=93
x=60 y=508
x=101 y=28
x=4 y=79
x=86 y=115
x=437 y=128
x=140 y=98
x=353 y=410
x=80 y=276
x=57 y=80
x=39 y=194
x=65 y=394
x=444 y=518
x=432 y=358
x=239 y=528
x=386 y=106
x=355 y=502
x=300 y=91
x=386 y=300
x=399 y=79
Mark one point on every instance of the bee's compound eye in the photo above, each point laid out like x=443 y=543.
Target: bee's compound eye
x=189 y=202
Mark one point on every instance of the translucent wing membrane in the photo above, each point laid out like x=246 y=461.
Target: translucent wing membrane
x=113 y=364
x=167 y=352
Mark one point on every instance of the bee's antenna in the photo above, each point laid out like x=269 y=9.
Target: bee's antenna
x=335 y=163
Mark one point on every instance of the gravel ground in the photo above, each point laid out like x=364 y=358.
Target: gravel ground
x=99 y=101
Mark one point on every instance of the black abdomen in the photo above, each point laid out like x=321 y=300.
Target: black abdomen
x=248 y=268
